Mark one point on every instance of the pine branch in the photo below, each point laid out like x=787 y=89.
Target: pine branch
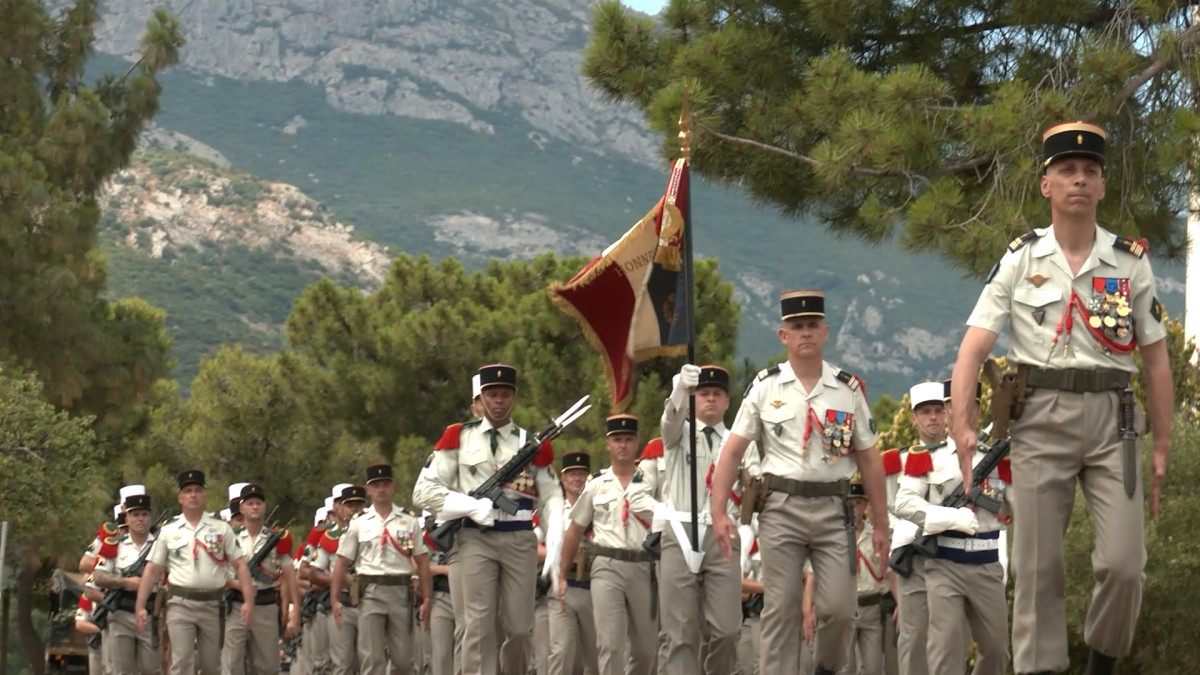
x=1188 y=39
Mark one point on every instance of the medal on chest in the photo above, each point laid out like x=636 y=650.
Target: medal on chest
x=836 y=431
x=1110 y=307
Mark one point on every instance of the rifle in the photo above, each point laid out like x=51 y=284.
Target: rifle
x=255 y=563
x=963 y=495
x=112 y=596
x=312 y=602
x=493 y=488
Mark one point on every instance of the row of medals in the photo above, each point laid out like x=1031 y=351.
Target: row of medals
x=1110 y=312
x=834 y=438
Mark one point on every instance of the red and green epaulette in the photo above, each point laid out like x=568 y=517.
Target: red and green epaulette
x=109 y=529
x=284 y=545
x=891 y=461
x=653 y=449
x=329 y=540
x=108 y=547
x=452 y=437
x=919 y=462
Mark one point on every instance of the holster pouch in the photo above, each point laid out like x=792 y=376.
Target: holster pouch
x=355 y=588
x=583 y=564
x=754 y=496
x=652 y=545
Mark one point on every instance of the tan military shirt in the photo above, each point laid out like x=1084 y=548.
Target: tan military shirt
x=379 y=546
x=463 y=463
x=778 y=413
x=676 y=489
x=272 y=565
x=196 y=557
x=872 y=573
x=127 y=555
x=1030 y=290
x=619 y=516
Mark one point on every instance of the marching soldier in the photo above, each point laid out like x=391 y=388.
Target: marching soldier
x=813 y=424
x=750 y=640
x=127 y=652
x=313 y=655
x=343 y=640
x=496 y=552
x=258 y=643
x=386 y=547
x=865 y=653
x=194 y=548
x=572 y=624
x=964 y=583
x=617 y=507
x=110 y=528
x=445 y=634
x=1079 y=301
x=694 y=578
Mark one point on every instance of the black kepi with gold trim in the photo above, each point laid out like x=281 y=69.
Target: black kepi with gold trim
x=497 y=374
x=712 y=375
x=190 y=477
x=354 y=493
x=379 y=472
x=137 y=502
x=1073 y=139
x=801 y=303
x=576 y=460
x=253 y=491
x=621 y=423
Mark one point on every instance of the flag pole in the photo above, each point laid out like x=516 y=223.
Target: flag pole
x=685 y=152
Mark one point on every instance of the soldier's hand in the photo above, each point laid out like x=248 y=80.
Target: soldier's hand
x=335 y=607
x=248 y=613
x=809 y=627
x=1162 y=450
x=880 y=540
x=724 y=532
x=423 y=614
x=966 y=443
x=562 y=594
x=142 y=617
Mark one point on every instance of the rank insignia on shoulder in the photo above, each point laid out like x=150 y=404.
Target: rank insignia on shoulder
x=1138 y=247
x=853 y=381
x=1016 y=244
x=598 y=473
x=762 y=375
x=1156 y=310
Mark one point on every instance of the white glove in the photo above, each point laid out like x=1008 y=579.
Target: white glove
x=943 y=519
x=554 y=541
x=459 y=505
x=903 y=533
x=688 y=378
x=746 y=535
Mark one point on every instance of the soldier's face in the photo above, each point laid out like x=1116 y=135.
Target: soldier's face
x=192 y=497
x=574 y=480
x=498 y=402
x=253 y=509
x=930 y=420
x=353 y=508
x=804 y=336
x=711 y=403
x=382 y=489
x=1074 y=185
x=138 y=521
x=621 y=447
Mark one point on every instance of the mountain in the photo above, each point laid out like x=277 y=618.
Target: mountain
x=462 y=128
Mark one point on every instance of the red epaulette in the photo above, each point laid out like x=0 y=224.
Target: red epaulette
x=653 y=449
x=108 y=548
x=545 y=456
x=891 y=461
x=84 y=603
x=450 y=438
x=918 y=463
x=314 y=536
x=284 y=545
x=330 y=544
x=107 y=530
x=1005 y=470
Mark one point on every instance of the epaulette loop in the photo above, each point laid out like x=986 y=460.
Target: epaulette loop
x=1016 y=244
x=762 y=375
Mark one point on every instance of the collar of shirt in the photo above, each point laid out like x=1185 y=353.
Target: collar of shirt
x=828 y=378
x=504 y=429
x=1102 y=250
x=372 y=513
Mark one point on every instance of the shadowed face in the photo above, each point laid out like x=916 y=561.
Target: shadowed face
x=804 y=336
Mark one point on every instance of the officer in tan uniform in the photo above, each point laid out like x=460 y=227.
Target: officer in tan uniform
x=127 y=652
x=813 y=424
x=865 y=653
x=698 y=591
x=618 y=507
x=195 y=549
x=343 y=640
x=496 y=552
x=1079 y=300
x=386 y=546
x=572 y=623
x=257 y=645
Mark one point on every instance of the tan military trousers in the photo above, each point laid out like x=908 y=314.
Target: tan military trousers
x=626 y=638
x=498 y=583
x=195 y=628
x=1060 y=439
x=913 y=631
x=749 y=646
x=127 y=652
x=699 y=607
x=343 y=642
x=385 y=630
x=792 y=530
x=962 y=596
x=864 y=654
x=254 y=648
x=573 y=635
x=445 y=636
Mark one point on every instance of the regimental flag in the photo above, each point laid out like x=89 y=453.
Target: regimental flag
x=631 y=301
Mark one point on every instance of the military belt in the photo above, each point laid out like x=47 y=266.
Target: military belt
x=385 y=579
x=805 y=488
x=869 y=600
x=199 y=594
x=625 y=554
x=266 y=596
x=1076 y=380
x=346 y=599
x=441 y=583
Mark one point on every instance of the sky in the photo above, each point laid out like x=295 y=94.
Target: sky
x=647 y=6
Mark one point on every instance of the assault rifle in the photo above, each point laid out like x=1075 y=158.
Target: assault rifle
x=926 y=544
x=493 y=488
x=255 y=564
x=313 y=601
x=112 y=596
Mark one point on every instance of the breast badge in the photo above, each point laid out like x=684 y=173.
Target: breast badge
x=1110 y=308
x=836 y=433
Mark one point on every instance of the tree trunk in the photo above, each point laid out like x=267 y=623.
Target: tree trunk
x=31 y=642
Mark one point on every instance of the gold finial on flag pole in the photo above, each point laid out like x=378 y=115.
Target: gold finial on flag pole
x=685 y=128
